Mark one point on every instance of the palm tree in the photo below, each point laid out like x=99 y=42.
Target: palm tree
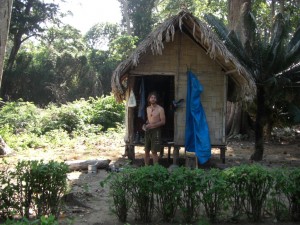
x=273 y=61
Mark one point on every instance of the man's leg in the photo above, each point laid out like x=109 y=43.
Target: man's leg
x=147 y=158
x=155 y=157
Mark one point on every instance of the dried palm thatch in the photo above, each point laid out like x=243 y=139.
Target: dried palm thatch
x=202 y=35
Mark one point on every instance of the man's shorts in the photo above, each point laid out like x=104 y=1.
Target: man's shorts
x=153 y=140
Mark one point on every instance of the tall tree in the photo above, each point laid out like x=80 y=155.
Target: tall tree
x=165 y=8
x=5 y=15
x=28 y=18
x=237 y=118
x=99 y=35
x=139 y=13
x=275 y=59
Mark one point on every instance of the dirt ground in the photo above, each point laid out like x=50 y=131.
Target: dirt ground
x=89 y=202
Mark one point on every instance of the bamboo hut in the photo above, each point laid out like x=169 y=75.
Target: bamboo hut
x=161 y=61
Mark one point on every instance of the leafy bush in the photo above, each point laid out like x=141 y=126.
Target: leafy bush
x=292 y=191
x=7 y=203
x=167 y=191
x=47 y=195
x=33 y=185
x=258 y=183
x=107 y=112
x=69 y=117
x=23 y=125
x=236 y=179
x=190 y=187
x=215 y=193
x=120 y=187
x=278 y=195
x=142 y=190
x=21 y=116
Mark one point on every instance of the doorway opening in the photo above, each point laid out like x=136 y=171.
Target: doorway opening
x=165 y=88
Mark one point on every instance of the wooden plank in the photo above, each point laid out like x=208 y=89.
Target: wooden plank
x=83 y=164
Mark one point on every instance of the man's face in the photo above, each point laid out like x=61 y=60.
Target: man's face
x=152 y=99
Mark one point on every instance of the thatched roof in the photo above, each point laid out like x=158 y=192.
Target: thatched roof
x=202 y=35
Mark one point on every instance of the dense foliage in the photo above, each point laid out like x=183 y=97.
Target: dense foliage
x=23 y=124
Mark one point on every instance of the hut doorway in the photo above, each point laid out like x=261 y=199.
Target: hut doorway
x=165 y=88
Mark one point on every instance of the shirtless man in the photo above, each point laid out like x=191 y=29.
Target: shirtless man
x=155 y=119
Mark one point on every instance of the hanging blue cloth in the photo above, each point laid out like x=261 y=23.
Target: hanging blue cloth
x=141 y=112
x=196 y=129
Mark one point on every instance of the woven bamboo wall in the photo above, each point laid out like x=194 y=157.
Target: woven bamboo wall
x=177 y=56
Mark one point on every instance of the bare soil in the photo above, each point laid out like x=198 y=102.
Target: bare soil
x=88 y=203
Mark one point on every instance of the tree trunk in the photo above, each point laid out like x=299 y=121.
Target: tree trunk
x=13 y=53
x=273 y=8
x=236 y=115
x=281 y=8
x=124 y=4
x=233 y=124
x=259 y=125
x=5 y=15
x=234 y=8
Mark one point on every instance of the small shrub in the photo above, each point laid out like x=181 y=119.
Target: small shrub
x=278 y=202
x=143 y=183
x=190 y=188
x=20 y=116
x=215 y=193
x=293 y=193
x=68 y=117
x=107 y=112
x=23 y=187
x=258 y=183
x=7 y=191
x=120 y=186
x=33 y=185
x=47 y=195
x=167 y=194
x=236 y=180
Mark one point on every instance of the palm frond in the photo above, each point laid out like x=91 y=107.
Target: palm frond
x=293 y=48
x=295 y=112
x=217 y=26
x=295 y=40
x=292 y=73
x=229 y=38
x=276 y=45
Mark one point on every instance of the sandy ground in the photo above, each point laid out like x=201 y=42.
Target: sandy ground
x=88 y=202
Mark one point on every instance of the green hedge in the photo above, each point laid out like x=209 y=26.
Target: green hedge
x=242 y=192
x=32 y=185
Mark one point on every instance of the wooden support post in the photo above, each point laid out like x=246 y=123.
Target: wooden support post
x=169 y=153
x=162 y=149
x=222 y=154
x=175 y=154
x=130 y=152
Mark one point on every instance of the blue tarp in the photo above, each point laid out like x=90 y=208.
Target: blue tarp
x=196 y=129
